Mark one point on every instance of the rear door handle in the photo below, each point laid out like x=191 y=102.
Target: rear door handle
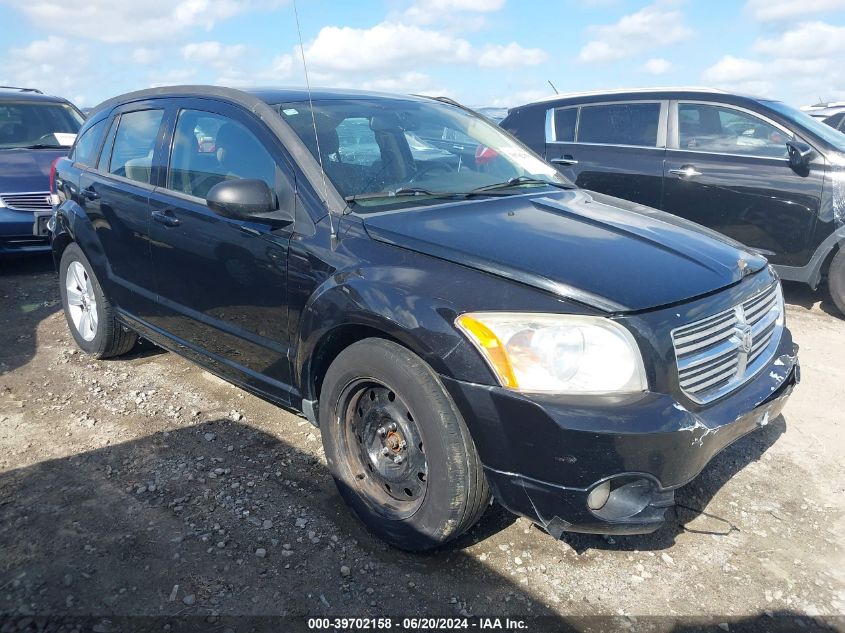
x=686 y=171
x=166 y=218
x=565 y=160
x=90 y=194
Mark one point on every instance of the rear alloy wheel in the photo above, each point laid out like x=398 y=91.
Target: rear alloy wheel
x=398 y=448
x=89 y=314
x=836 y=280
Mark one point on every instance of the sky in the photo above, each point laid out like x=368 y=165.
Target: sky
x=480 y=52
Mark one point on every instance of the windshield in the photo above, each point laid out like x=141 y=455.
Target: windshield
x=813 y=125
x=27 y=124
x=380 y=151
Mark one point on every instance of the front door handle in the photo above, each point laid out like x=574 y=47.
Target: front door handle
x=166 y=218
x=90 y=193
x=565 y=160
x=686 y=171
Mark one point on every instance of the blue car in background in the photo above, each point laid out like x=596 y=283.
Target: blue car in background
x=35 y=130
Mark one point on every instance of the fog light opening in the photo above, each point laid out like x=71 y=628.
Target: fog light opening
x=598 y=496
x=621 y=497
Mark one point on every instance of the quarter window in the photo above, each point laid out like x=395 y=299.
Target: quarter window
x=134 y=144
x=88 y=145
x=718 y=129
x=620 y=124
x=565 y=120
x=210 y=148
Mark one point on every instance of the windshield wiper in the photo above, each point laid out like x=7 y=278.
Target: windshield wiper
x=417 y=191
x=521 y=180
x=39 y=146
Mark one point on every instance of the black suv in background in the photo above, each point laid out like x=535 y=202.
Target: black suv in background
x=35 y=129
x=455 y=328
x=757 y=170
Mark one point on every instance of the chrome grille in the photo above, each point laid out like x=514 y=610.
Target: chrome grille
x=37 y=201
x=718 y=354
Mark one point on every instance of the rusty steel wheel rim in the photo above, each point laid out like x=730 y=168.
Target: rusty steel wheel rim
x=382 y=447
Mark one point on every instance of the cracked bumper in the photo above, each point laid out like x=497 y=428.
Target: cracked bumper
x=543 y=455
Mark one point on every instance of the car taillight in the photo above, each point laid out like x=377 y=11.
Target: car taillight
x=53 y=175
x=55 y=198
x=484 y=155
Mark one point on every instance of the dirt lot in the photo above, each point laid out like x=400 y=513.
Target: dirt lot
x=145 y=486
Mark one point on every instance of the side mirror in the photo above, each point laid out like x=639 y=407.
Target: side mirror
x=246 y=199
x=800 y=155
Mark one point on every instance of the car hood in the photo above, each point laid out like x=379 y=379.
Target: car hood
x=27 y=170
x=600 y=251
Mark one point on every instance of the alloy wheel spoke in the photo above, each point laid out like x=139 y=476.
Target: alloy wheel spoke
x=74 y=297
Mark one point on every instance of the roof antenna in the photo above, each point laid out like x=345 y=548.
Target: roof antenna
x=553 y=86
x=314 y=123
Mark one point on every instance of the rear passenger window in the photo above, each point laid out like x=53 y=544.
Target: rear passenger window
x=209 y=148
x=620 y=124
x=565 y=124
x=88 y=145
x=132 y=154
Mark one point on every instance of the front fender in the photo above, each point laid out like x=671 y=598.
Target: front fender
x=381 y=299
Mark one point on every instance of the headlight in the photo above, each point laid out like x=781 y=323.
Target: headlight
x=556 y=353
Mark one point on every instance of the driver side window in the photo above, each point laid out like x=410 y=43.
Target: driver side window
x=209 y=148
x=725 y=130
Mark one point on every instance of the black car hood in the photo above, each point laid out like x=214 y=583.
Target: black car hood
x=27 y=170
x=601 y=251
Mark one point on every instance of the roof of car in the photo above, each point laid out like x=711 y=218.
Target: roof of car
x=27 y=94
x=641 y=92
x=247 y=95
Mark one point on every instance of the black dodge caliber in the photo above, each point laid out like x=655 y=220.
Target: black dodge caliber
x=458 y=328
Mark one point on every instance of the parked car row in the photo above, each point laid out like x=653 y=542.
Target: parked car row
x=35 y=130
x=757 y=170
x=460 y=320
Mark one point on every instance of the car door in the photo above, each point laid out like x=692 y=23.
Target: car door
x=116 y=195
x=614 y=148
x=222 y=282
x=727 y=168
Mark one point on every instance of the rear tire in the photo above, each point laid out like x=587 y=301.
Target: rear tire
x=399 y=450
x=89 y=314
x=836 y=280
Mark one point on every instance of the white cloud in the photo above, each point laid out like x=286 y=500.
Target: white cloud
x=117 y=21
x=741 y=75
x=511 y=56
x=807 y=40
x=391 y=47
x=144 y=56
x=646 y=29
x=43 y=64
x=433 y=11
x=773 y=10
x=213 y=53
x=656 y=66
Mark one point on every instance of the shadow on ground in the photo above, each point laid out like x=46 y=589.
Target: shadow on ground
x=28 y=294
x=799 y=294
x=163 y=532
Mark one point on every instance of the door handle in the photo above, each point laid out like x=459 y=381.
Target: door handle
x=166 y=218
x=565 y=160
x=90 y=193
x=686 y=171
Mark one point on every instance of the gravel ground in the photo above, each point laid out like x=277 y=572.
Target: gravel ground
x=146 y=486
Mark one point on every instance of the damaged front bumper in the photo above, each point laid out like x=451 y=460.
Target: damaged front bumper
x=544 y=455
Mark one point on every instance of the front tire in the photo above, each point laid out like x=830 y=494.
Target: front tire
x=89 y=314
x=836 y=280
x=399 y=450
